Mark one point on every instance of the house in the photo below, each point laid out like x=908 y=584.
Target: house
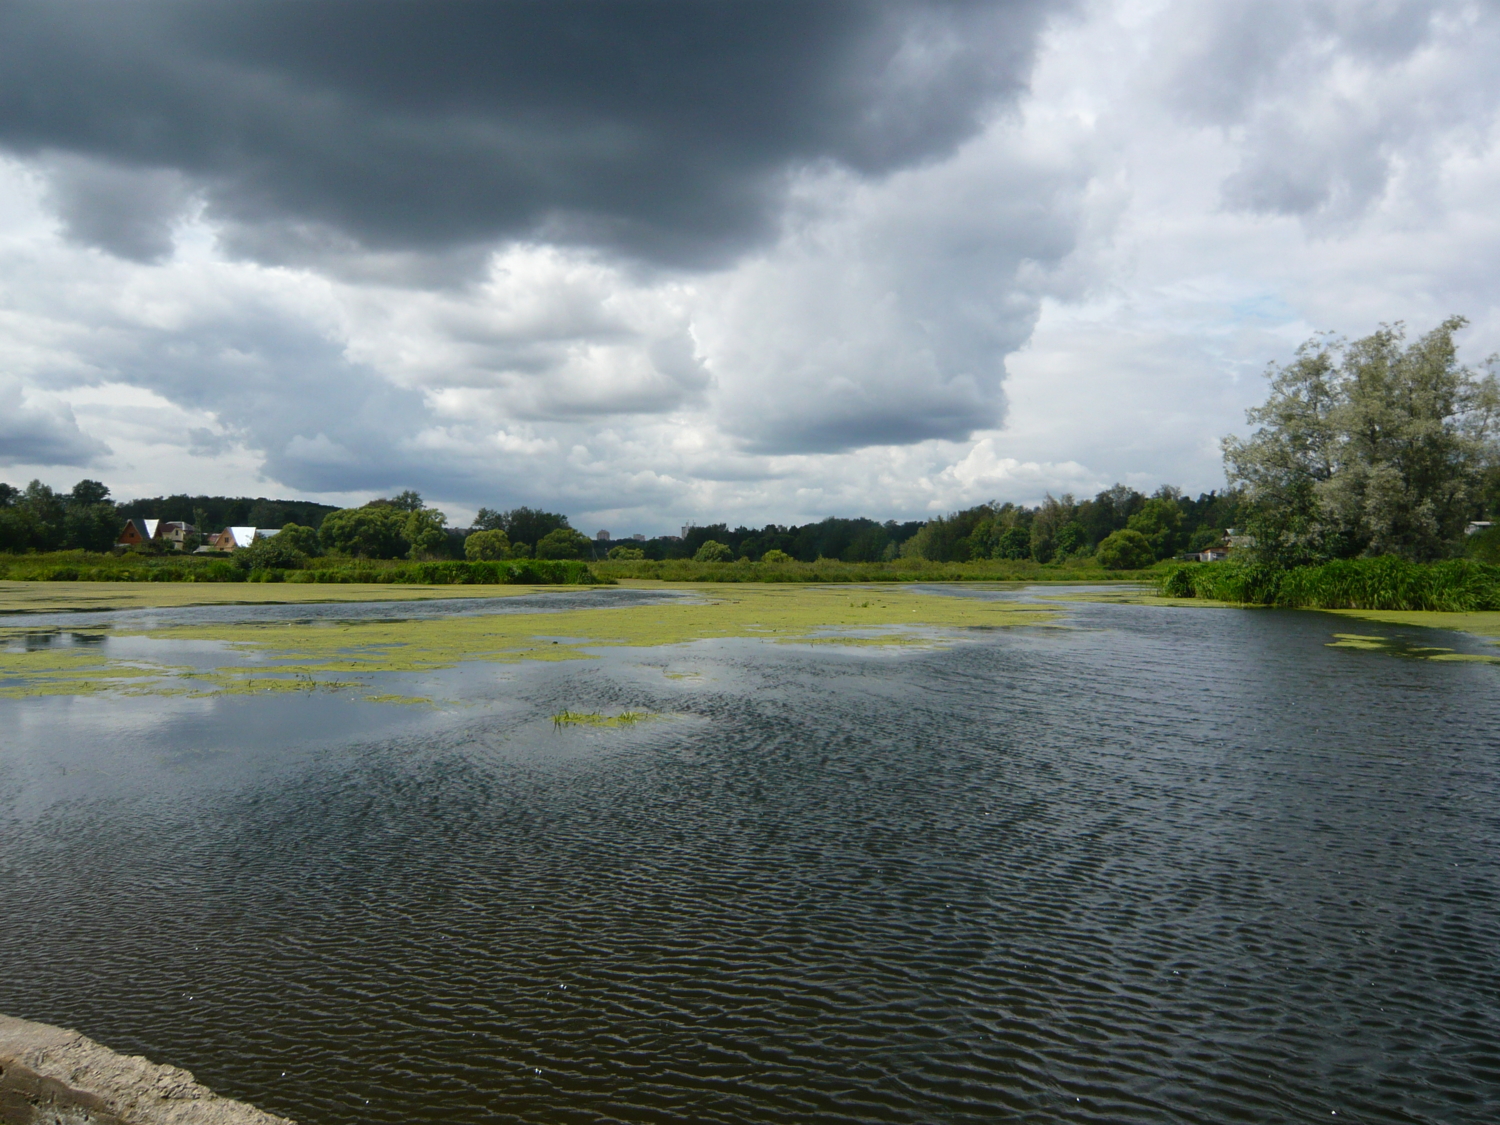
x=233 y=538
x=176 y=533
x=138 y=531
x=1476 y=526
x=1211 y=554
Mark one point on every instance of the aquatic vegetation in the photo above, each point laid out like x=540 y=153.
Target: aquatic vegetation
x=285 y=656
x=598 y=719
x=1387 y=583
x=1400 y=646
x=47 y=597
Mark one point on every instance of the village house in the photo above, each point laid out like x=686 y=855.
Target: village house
x=138 y=531
x=176 y=533
x=233 y=538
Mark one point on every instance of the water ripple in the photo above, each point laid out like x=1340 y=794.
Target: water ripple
x=1166 y=866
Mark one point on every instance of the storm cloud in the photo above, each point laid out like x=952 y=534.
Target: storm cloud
x=648 y=262
x=660 y=128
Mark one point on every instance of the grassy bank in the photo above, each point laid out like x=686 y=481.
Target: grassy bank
x=1452 y=586
x=899 y=570
x=84 y=566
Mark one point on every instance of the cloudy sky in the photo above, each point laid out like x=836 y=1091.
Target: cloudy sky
x=652 y=262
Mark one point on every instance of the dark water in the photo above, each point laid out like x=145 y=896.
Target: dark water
x=1163 y=866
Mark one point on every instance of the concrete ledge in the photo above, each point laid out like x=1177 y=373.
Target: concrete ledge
x=52 y=1076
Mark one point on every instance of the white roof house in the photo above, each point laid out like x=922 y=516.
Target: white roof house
x=233 y=538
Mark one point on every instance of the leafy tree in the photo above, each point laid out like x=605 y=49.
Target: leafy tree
x=424 y=531
x=373 y=533
x=270 y=553
x=88 y=492
x=775 y=556
x=1014 y=543
x=1125 y=550
x=1375 y=447
x=563 y=543
x=1160 y=521
x=530 y=525
x=301 y=538
x=627 y=553
x=487 y=545
x=713 y=551
x=1072 y=539
x=408 y=501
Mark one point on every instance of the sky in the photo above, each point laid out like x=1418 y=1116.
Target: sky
x=652 y=262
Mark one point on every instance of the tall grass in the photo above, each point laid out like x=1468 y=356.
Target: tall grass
x=77 y=566
x=1454 y=586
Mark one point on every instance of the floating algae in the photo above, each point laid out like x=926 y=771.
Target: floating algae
x=285 y=656
x=598 y=719
x=1399 y=646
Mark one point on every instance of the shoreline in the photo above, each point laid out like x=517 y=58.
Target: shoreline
x=57 y=1076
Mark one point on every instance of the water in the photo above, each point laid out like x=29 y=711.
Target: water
x=1159 y=866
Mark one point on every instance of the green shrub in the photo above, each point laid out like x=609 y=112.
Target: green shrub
x=1456 y=585
x=713 y=551
x=487 y=545
x=774 y=557
x=629 y=554
x=563 y=543
x=1125 y=550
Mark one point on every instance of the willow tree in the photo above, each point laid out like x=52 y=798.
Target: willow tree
x=1375 y=447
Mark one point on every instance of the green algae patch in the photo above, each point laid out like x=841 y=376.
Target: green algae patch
x=1398 y=646
x=70 y=597
x=43 y=662
x=800 y=614
x=282 y=657
x=404 y=700
x=598 y=719
x=1480 y=623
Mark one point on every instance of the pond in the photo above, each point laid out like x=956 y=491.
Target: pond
x=1137 y=863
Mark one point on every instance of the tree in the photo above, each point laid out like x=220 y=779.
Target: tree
x=1125 y=550
x=562 y=543
x=487 y=545
x=373 y=533
x=713 y=551
x=408 y=501
x=627 y=554
x=1376 y=447
x=270 y=553
x=423 y=530
x=1160 y=521
x=300 y=537
x=775 y=556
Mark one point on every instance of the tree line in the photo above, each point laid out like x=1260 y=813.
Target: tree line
x=1376 y=447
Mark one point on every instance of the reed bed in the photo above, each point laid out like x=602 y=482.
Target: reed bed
x=1451 y=586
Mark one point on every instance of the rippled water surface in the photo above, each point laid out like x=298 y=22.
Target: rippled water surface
x=1159 y=865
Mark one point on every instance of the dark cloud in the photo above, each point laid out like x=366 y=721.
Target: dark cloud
x=34 y=435
x=660 y=127
x=128 y=211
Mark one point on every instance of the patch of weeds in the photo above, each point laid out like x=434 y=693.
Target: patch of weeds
x=599 y=719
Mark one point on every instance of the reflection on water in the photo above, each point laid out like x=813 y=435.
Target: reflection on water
x=1168 y=865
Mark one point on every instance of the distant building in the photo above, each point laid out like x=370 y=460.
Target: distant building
x=139 y=531
x=176 y=533
x=233 y=538
x=639 y=538
x=1476 y=526
x=602 y=536
x=1211 y=554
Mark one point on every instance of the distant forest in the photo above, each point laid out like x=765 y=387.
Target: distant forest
x=214 y=513
x=37 y=518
